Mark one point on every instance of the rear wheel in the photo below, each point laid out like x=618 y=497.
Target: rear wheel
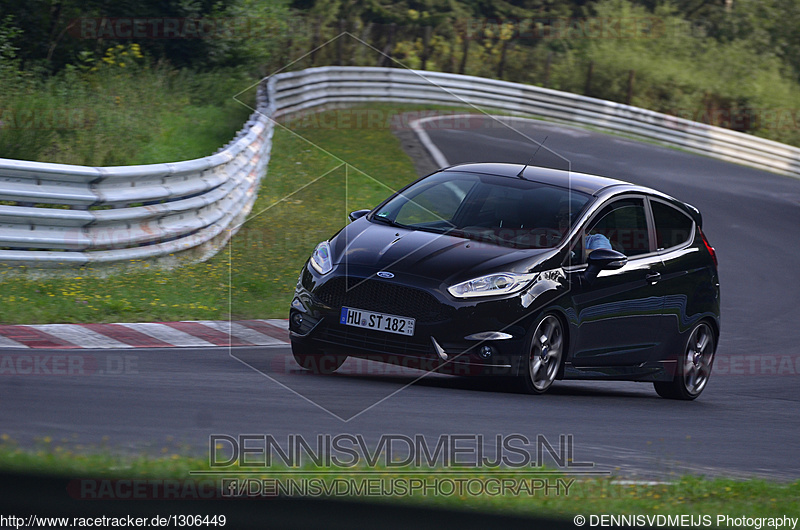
x=693 y=368
x=313 y=360
x=545 y=354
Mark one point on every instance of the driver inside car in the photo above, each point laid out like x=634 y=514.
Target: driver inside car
x=595 y=241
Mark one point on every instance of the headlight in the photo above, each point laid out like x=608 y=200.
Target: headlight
x=493 y=284
x=321 y=258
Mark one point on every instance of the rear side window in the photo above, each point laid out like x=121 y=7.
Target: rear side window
x=673 y=227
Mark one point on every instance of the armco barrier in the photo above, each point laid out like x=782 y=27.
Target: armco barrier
x=72 y=216
x=309 y=88
x=62 y=216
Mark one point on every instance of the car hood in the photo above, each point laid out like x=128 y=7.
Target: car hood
x=446 y=258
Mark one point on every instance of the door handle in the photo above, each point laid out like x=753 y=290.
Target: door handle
x=653 y=277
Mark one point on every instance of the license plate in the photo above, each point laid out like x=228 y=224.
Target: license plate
x=377 y=321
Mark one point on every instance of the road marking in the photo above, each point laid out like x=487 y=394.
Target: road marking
x=190 y=333
x=169 y=335
x=242 y=332
x=5 y=342
x=79 y=335
x=208 y=333
x=265 y=327
x=126 y=335
x=33 y=338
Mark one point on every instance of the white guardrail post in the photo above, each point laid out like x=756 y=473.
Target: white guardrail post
x=60 y=216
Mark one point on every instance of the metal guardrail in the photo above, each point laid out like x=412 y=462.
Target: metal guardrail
x=306 y=89
x=55 y=215
x=63 y=216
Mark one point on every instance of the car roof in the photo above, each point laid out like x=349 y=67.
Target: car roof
x=591 y=184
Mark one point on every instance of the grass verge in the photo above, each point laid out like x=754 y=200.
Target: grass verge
x=481 y=490
x=135 y=115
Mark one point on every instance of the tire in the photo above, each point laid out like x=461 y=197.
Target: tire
x=313 y=360
x=693 y=367
x=545 y=353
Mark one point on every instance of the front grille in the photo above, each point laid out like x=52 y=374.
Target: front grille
x=375 y=341
x=382 y=297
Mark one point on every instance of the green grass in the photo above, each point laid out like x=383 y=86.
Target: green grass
x=688 y=495
x=115 y=116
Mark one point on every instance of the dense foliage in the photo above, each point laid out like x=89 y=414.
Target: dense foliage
x=733 y=63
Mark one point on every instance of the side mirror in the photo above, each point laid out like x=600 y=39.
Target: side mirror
x=358 y=214
x=603 y=259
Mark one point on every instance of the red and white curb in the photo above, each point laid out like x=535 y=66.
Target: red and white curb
x=195 y=334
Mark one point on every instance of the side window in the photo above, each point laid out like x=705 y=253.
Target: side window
x=622 y=226
x=673 y=227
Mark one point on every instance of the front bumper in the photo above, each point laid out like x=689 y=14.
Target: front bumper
x=442 y=323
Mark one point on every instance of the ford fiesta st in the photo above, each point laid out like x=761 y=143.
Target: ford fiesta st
x=510 y=270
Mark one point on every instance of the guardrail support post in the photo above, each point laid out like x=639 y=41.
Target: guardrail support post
x=631 y=76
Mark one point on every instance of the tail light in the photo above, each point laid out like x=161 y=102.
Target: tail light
x=709 y=247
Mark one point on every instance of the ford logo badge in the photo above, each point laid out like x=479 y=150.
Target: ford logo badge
x=384 y=274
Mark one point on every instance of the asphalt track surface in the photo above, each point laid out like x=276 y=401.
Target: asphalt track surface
x=746 y=422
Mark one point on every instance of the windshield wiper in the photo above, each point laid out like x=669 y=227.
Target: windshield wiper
x=457 y=232
x=444 y=230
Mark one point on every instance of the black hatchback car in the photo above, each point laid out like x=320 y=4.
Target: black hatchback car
x=510 y=270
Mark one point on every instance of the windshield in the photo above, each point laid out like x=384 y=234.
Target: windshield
x=499 y=210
